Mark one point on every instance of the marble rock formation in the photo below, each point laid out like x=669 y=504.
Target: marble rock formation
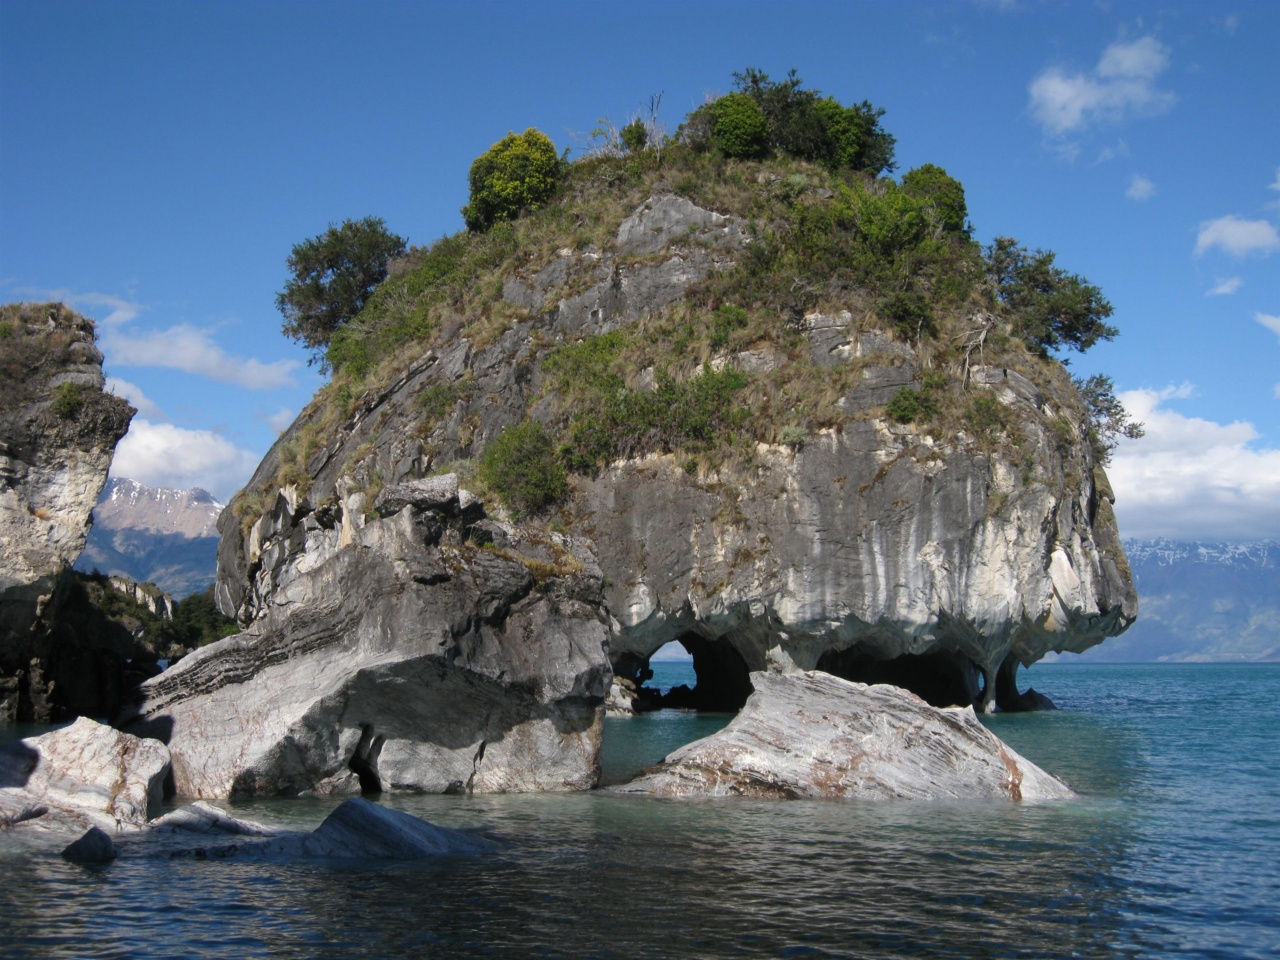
x=816 y=736
x=872 y=550
x=58 y=432
x=61 y=783
x=425 y=648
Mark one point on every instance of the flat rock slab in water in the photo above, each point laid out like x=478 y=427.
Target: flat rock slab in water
x=358 y=828
x=813 y=735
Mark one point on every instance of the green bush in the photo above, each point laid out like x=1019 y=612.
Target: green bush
x=634 y=136
x=726 y=320
x=740 y=130
x=943 y=194
x=906 y=406
x=521 y=467
x=986 y=417
x=910 y=315
x=691 y=414
x=68 y=400
x=520 y=171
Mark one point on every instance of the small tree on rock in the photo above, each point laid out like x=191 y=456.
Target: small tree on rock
x=1050 y=308
x=520 y=171
x=332 y=276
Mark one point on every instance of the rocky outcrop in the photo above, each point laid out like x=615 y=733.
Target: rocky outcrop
x=86 y=790
x=58 y=432
x=423 y=647
x=815 y=736
x=872 y=549
x=60 y=784
x=145 y=595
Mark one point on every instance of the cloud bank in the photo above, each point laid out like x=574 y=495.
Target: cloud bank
x=1123 y=83
x=192 y=350
x=162 y=455
x=1192 y=479
x=1236 y=236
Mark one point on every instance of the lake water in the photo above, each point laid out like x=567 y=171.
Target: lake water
x=1171 y=849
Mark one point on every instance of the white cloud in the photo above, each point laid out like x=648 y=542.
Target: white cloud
x=279 y=420
x=119 y=311
x=1275 y=185
x=1122 y=83
x=1192 y=479
x=1268 y=321
x=1226 y=287
x=1237 y=236
x=162 y=455
x=191 y=349
x=133 y=393
x=1140 y=188
x=1146 y=58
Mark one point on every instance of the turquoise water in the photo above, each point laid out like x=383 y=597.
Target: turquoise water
x=1172 y=849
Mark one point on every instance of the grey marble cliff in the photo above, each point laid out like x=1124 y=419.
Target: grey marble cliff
x=417 y=647
x=874 y=550
x=58 y=432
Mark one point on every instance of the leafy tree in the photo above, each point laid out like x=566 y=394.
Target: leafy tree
x=1050 y=308
x=520 y=171
x=804 y=124
x=1107 y=420
x=740 y=130
x=944 y=194
x=333 y=276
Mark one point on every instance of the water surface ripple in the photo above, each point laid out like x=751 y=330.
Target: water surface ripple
x=1172 y=849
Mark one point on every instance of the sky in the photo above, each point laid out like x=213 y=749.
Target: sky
x=158 y=161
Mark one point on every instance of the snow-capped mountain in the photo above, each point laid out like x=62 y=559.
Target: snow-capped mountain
x=156 y=535
x=1200 y=601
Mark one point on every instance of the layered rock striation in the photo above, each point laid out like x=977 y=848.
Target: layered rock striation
x=814 y=736
x=416 y=646
x=58 y=432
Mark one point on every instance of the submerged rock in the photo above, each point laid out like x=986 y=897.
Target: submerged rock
x=356 y=829
x=812 y=735
x=94 y=847
x=402 y=656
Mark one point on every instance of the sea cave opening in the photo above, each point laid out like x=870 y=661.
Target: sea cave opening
x=942 y=678
x=721 y=677
x=685 y=690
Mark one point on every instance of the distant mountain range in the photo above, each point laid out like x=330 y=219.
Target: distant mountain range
x=1200 y=602
x=154 y=535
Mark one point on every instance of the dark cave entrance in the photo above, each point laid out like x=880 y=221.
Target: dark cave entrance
x=722 y=679
x=941 y=678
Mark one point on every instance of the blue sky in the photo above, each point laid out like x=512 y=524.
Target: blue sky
x=159 y=160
